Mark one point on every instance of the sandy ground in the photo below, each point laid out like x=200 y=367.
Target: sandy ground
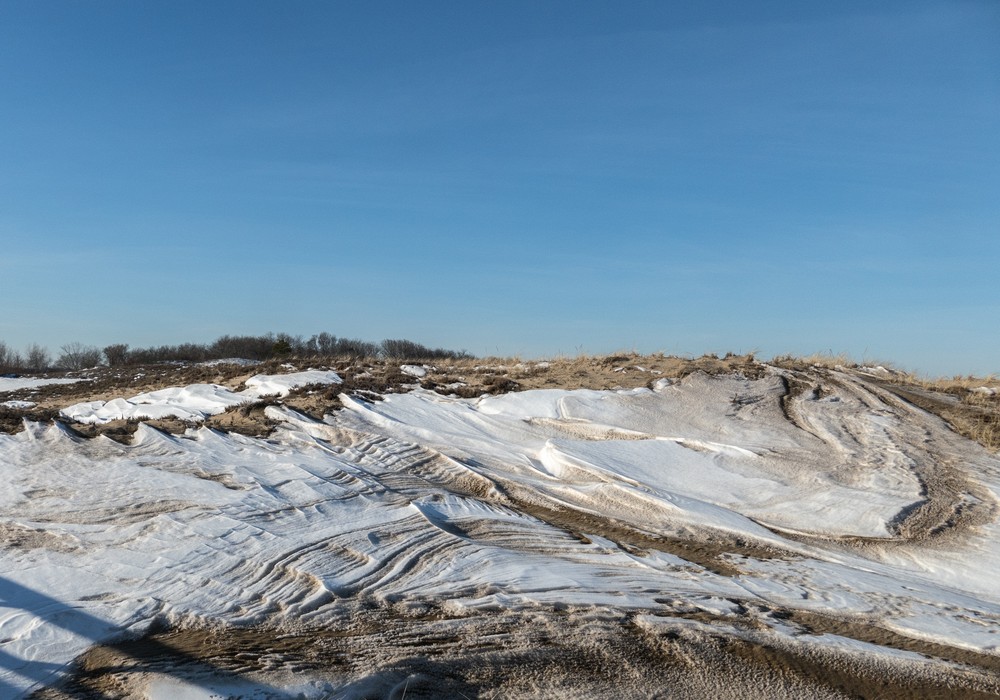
x=556 y=653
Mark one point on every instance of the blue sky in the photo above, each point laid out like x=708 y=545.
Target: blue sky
x=515 y=178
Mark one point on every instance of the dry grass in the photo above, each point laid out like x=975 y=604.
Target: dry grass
x=825 y=360
x=970 y=404
x=625 y=370
x=970 y=411
x=841 y=361
x=984 y=388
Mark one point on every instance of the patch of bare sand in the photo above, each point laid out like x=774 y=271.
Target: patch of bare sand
x=377 y=650
x=952 y=500
x=970 y=405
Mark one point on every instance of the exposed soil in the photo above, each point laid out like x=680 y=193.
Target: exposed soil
x=703 y=550
x=953 y=501
x=376 y=651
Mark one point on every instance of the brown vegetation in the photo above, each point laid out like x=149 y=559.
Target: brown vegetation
x=970 y=405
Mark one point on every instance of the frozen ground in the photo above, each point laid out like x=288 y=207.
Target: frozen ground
x=801 y=533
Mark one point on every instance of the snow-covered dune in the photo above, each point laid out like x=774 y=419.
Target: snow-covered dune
x=710 y=499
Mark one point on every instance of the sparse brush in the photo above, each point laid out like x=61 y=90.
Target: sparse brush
x=986 y=431
x=77 y=356
x=828 y=360
x=962 y=384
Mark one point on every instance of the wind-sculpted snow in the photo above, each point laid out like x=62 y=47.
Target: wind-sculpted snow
x=708 y=453
x=831 y=519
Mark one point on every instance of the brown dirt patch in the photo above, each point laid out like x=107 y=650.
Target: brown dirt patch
x=369 y=649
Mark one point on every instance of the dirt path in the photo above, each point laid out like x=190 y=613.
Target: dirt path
x=952 y=501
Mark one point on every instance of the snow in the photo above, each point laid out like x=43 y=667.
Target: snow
x=422 y=497
x=282 y=384
x=684 y=466
x=16 y=384
x=238 y=361
x=414 y=370
x=194 y=402
x=18 y=405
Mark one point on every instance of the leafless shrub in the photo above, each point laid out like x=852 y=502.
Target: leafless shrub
x=37 y=358
x=186 y=352
x=116 y=355
x=77 y=356
x=262 y=348
x=354 y=347
x=327 y=345
x=401 y=349
x=250 y=347
x=9 y=358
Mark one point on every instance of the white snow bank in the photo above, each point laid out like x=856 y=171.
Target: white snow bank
x=239 y=530
x=281 y=384
x=12 y=384
x=20 y=405
x=414 y=370
x=195 y=402
x=676 y=457
x=238 y=361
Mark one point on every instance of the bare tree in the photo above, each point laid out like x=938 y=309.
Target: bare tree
x=78 y=356
x=402 y=349
x=352 y=347
x=251 y=347
x=116 y=355
x=326 y=344
x=37 y=358
x=8 y=358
